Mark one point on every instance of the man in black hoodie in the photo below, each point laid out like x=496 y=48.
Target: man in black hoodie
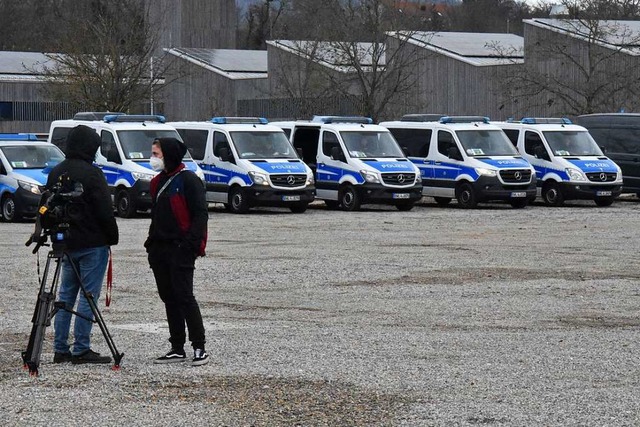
x=177 y=236
x=87 y=245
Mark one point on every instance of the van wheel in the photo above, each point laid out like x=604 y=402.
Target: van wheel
x=442 y=201
x=552 y=195
x=519 y=203
x=238 y=201
x=301 y=208
x=404 y=207
x=124 y=204
x=332 y=204
x=466 y=196
x=604 y=201
x=350 y=199
x=9 y=213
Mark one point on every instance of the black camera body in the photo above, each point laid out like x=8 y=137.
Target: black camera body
x=59 y=207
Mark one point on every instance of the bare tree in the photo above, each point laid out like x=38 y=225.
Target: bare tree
x=354 y=61
x=578 y=65
x=108 y=57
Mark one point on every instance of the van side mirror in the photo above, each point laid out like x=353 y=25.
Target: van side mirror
x=604 y=149
x=225 y=155
x=337 y=154
x=299 y=151
x=454 y=153
x=113 y=156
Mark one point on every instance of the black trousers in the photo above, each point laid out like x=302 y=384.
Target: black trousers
x=173 y=269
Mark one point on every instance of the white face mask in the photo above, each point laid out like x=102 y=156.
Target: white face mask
x=157 y=164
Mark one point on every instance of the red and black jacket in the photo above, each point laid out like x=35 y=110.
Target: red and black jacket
x=180 y=213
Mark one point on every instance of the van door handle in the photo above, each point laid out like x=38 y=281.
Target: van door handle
x=321 y=164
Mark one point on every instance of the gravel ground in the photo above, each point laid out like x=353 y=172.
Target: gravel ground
x=433 y=317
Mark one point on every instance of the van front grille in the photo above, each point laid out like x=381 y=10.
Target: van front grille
x=288 y=180
x=403 y=179
x=515 y=176
x=602 y=176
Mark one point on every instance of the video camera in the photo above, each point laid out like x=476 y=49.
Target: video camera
x=59 y=206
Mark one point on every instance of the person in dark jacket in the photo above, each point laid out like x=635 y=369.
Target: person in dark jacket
x=177 y=236
x=92 y=230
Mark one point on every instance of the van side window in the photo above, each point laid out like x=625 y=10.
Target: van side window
x=220 y=141
x=329 y=140
x=414 y=141
x=195 y=140
x=306 y=139
x=533 y=143
x=512 y=134
x=617 y=139
x=108 y=146
x=445 y=141
x=59 y=138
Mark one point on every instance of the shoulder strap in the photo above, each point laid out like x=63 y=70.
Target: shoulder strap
x=166 y=184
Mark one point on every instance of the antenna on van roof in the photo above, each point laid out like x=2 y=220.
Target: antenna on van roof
x=422 y=117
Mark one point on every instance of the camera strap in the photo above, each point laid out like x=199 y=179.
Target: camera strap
x=166 y=184
x=109 y=280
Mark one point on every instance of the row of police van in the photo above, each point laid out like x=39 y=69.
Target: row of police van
x=344 y=161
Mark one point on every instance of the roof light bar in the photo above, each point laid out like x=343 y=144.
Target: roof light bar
x=94 y=115
x=422 y=117
x=239 y=120
x=18 y=137
x=464 y=119
x=545 y=121
x=128 y=118
x=343 y=119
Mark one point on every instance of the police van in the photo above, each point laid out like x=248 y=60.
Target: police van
x=124 y=153
x=568 y=162
x=355 y=162
x=25 y=163
x=247 y=162
x=466 y=158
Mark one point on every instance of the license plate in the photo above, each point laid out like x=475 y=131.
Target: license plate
x=519 y=194
x=290 y=198
x=603 y=193
x=400 y=195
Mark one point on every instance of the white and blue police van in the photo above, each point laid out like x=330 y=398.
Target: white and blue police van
x=248 y=163
x=25 y=163
x=355 y=162
x=124 y=153
x=569 y=164
x=466 y=158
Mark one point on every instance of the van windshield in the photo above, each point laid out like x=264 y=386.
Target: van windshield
x=136 y=144
x=32 y=156
x=572 y=143
x=483 y=142
x=361 y=144
x=263 y=145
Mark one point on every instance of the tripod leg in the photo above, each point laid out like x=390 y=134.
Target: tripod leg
x=117 y=357
x=41 y=317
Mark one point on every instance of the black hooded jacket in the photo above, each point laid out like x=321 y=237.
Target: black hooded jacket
x=95 y=226
x=179 y=214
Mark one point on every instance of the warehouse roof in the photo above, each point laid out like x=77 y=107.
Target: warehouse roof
x=231 y=63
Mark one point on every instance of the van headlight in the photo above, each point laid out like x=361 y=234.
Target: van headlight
x=142 y=176
x=486 y=172
x=370 y=177
x=310 y=180
x=31 y=188
x=418 y=178
x=259 y=178
x=575 y=174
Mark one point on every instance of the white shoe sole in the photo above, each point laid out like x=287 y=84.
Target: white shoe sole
x=167 y=361
x=200 y=362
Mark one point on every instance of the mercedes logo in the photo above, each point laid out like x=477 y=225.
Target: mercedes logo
x=401 y=178
x=517 y=175
x=603 y=176
x=291 y=180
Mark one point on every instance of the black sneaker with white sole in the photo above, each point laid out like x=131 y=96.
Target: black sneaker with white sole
x=200 y=357
x=173 y=356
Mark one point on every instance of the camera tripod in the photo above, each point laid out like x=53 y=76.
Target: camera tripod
x=47 y=307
